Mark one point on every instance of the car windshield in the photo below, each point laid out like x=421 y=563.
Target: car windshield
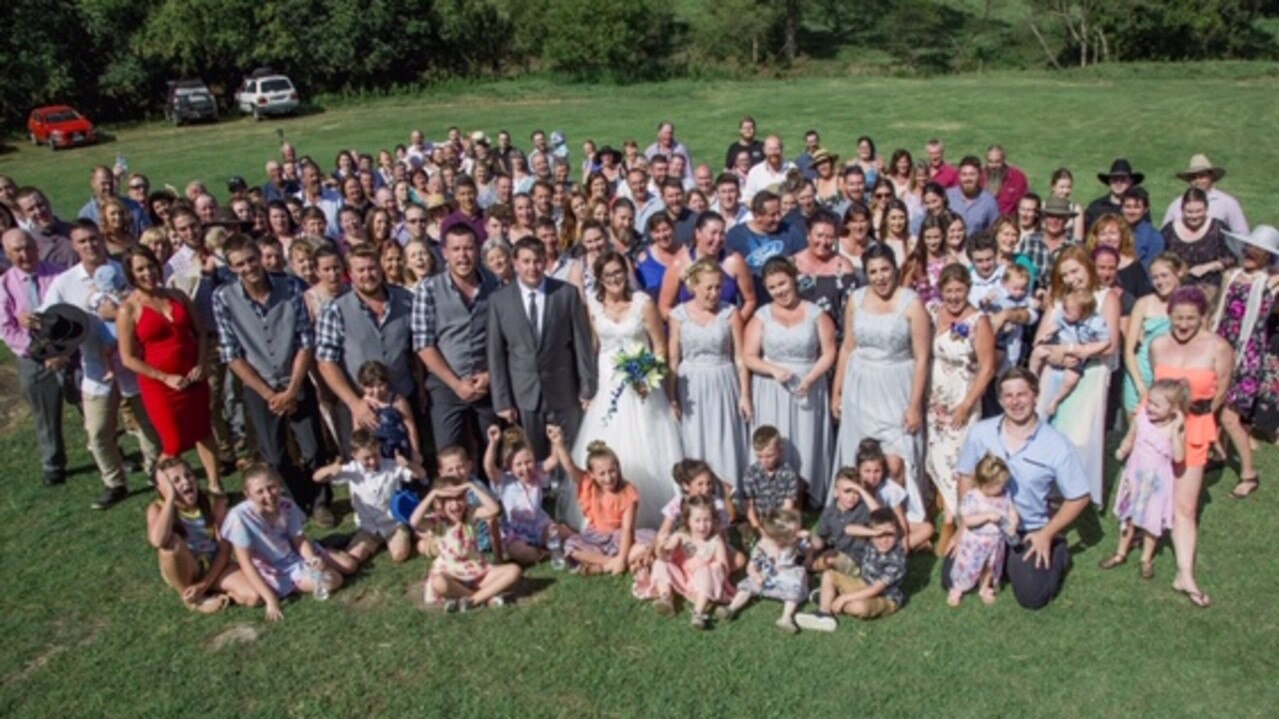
x=277 y=85
x=196 y=90
x=62 y=116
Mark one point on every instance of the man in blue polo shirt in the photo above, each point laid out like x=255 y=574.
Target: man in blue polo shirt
x=1041 y=459
x=764 y=237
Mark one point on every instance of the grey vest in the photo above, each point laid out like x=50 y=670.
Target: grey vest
x=390 y=344
x=269 y=343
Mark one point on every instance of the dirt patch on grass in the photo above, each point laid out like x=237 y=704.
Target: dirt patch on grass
x=15 y=410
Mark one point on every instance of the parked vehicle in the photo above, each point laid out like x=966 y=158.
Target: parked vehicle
x=189 y=100
x=266 y=93
x=60 y=126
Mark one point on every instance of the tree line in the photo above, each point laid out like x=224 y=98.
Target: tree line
x=112 y=57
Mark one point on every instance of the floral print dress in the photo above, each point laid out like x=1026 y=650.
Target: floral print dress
x=1254 y=383
x=953 y=372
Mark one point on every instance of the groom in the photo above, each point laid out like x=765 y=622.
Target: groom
x=541 y=359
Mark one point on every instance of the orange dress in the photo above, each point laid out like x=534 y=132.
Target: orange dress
x=1201 y=429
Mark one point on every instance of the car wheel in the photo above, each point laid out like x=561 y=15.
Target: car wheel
x=257 y=114
x=34 y=140
x=53 y=145
x=177 y=120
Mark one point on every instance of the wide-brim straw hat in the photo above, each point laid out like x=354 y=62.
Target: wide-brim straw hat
x=1200 y=164
x=1263 y=237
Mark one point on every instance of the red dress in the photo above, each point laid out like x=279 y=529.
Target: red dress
x=180 y=417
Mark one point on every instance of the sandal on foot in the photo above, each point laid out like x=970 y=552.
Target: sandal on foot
x=1148 y=570
x=1246 y=487
x=1112 y=561
x=1197 y=598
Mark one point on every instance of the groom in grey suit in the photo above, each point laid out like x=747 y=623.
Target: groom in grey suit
x=540 y=352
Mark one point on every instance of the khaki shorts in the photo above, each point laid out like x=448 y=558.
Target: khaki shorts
x=847 y=579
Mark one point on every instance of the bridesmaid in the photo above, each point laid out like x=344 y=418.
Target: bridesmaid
x=1195 y=354
x=708 y=241
x=790 y=346
x=963 y=366
x=882 y=374
x=162 y=342
x=652 y=262
x=1079 y=416
x=712 y=383
x=1149 y=319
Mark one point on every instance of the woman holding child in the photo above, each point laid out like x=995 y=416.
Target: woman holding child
x=882 y=373
x=1079 y=414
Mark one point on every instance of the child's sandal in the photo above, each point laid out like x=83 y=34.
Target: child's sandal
x=1147 y=570
x=1112 y=561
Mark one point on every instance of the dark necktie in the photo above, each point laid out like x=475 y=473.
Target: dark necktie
x=532 y=314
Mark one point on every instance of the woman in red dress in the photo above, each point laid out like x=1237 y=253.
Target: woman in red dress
x=162 y=342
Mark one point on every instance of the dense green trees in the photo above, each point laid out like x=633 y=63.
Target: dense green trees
x=112 y=57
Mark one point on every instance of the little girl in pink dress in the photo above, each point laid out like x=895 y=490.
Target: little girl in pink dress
x=693 y=563
x=988 y=516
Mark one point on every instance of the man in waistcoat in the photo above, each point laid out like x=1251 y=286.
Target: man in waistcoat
x=265 y=337
x=372 y=322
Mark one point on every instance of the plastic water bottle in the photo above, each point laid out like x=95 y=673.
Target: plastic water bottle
x=556 y=547
x=319 y=578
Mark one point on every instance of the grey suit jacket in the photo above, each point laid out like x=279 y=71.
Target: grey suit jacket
x=555 y=372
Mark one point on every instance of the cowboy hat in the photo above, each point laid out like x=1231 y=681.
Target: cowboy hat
x=63 y=328
x=1263 y=237
x=435 y=201
x=1058 y=207
x=608 y=150
x=1200 y=164
x=1121 y=168
x=821 y=155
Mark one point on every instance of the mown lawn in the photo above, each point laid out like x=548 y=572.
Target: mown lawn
x=88 y=629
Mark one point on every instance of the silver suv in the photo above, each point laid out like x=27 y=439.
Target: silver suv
x=267 y=94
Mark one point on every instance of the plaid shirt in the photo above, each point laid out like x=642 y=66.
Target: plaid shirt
x=229 y=347
x=1033 y=247
x=330 y=330
x=769 y=493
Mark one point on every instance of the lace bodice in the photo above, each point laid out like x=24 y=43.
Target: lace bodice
x=886 y=337
x=614 y=336
x=708 y=346
x=798 y=345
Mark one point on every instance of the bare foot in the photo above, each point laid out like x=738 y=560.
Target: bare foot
x=987 y=595
x=954 y=597
x=211 y=604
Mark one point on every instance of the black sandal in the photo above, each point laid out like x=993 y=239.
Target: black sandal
x=1249 y=485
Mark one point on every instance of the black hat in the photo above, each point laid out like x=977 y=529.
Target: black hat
x=227 y=218
x=1121 y=168
x=62 y=329
x=236 y=184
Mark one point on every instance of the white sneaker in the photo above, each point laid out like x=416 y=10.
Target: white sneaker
x=816 y=622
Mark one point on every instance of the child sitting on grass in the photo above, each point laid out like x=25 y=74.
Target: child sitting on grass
x=453 y=464
x=771 y=484
x=868 y=584
x=460 y=577
x=873 y=474
x=610 y=542
x=266 y=532
x=696 y=479
x=1083 y=330
x=693 y=562
x=776 y=569
x=373 y=481
x=843 y=522
x=518 y=483
x=989 y=516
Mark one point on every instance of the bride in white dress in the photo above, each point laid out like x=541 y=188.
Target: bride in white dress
x=643 y=431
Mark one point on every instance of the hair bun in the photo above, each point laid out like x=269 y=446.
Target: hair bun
x=598 y=445
x=511 y=435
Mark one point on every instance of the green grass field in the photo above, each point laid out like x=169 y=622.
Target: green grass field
x=90 y=630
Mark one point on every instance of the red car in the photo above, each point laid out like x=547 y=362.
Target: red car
x=60 y=126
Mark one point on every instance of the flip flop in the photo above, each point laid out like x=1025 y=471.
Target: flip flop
x=1199 y=599
x=1112 y=561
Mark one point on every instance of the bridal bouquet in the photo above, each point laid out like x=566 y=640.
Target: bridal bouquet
x=640 y=369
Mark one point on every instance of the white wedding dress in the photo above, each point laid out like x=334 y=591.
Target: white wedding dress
x=642 y=432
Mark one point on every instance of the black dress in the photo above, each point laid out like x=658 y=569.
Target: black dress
x=1211 y=247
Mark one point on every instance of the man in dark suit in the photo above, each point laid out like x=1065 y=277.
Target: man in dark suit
x=540 y=354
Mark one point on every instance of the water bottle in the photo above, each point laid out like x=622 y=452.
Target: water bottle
x=792 y=386
x=556 y=547
x=319 y=579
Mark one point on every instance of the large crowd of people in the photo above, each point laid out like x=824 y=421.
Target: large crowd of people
x=657 y=365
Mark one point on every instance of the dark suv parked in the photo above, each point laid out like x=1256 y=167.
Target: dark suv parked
x=189 y=100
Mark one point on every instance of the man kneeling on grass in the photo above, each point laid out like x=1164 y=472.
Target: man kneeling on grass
x=866 y=583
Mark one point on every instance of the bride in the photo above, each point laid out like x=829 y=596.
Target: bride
x=642 y=430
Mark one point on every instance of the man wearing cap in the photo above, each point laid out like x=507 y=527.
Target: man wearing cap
x=1043 y=247
x=772 y=171
x=1119 y=179
x=265 y=337
x=1149 y=240
x=746 y=141
x=667 y=145
x=23 y=288
x=1203 y=174
x=101 y=394
x=970 y=201
x=52 y=235
x=1007 y=183
x=103 y=184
